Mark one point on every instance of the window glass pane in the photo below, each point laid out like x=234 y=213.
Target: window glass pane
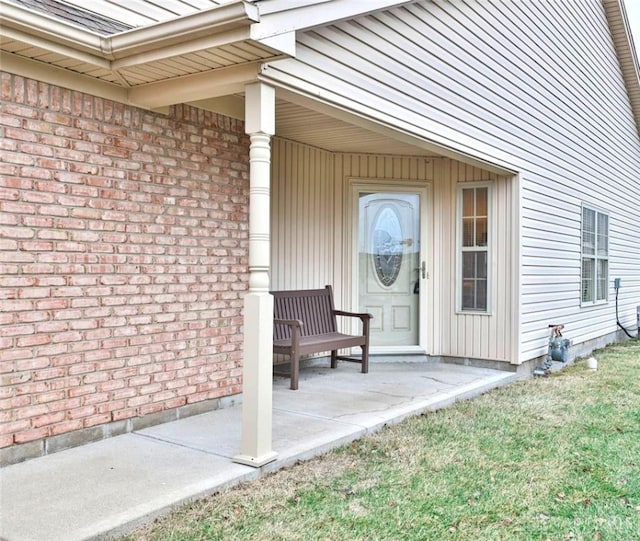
x=481 y=265
x=481 y=232
x=468 y=207
x=603 y=224
x=603 y=246
x=603 y=235
x=468 y=294
x=481 y=295
x=482 y=201
x=468 y=232
x=469 y=265
x=603 y=279
x=588 y=231
x=588 y=274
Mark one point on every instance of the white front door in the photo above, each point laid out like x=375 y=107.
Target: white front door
x=390 y=266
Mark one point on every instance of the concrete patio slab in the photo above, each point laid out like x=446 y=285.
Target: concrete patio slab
x=101 y=490
x=219 y=432
x=105 y=487
x=389 y=392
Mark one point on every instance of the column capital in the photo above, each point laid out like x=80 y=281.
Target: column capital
x=260 y=109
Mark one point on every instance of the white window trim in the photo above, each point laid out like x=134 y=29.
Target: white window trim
x=490 y=220
x=595 y=257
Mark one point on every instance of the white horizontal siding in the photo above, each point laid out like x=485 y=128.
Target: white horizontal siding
x=533 y=85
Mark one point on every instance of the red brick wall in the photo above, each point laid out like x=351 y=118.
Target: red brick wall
x=123 y=259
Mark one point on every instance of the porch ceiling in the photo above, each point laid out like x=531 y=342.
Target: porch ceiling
x=201 y=61
x=317 y=129
x=320 y=129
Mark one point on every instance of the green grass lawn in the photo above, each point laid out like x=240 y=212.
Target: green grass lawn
x=551 y=458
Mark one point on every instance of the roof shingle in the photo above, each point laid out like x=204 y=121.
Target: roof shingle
x=75 y=15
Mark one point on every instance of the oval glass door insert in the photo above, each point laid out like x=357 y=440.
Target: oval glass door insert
x=387 y=245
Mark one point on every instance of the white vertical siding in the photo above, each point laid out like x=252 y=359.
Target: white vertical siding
x=312 y=238
x=489 y=336
x=535 y=86
x=311 y=216
x=303 y=216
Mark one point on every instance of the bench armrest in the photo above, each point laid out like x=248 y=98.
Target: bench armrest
x=288 y=322
x=295 y=327
x=365 y=318
x=362 y=315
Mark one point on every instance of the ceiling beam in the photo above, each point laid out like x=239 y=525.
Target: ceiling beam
x=231 y=106
x=200 y=86
x=64 y=78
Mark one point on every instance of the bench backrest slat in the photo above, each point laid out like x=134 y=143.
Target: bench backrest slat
x=313 y=306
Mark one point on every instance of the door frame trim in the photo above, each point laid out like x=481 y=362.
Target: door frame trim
x=423 y=189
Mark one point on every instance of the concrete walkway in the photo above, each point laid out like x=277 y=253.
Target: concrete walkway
x=104 y=489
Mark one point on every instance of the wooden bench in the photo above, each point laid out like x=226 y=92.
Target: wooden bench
x=305 y=322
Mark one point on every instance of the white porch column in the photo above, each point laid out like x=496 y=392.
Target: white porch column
x=257 y=406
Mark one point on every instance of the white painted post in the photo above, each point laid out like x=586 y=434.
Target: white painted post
x=257 y=408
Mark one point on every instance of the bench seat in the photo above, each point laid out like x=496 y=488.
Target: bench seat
x=319 y=343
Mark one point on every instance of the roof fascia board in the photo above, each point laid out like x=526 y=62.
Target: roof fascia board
x=626 y=52
x=65 y=49
x=633 y=71
x=279 y=16
x=217 y=26
x=282 y=45
x=168 y=51
x=273 y=6
x=220 y=19
x=630 y=41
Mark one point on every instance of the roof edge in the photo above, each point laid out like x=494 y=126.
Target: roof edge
x=73 y=14
x=44 y=27
x=625 y=49
x=21 y=23
x=223 y=18
x=632 y=45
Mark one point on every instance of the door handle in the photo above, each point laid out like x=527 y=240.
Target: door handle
x=423 y=267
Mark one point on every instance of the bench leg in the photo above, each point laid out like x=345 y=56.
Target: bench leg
x=295 y=371
x=365 y=359
x=334 y=358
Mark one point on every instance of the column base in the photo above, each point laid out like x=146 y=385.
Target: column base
x=255 y=462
